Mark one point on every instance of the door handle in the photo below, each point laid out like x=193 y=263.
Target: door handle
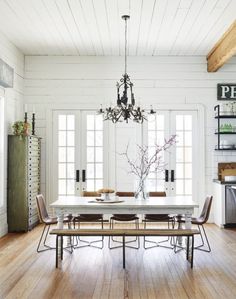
x=77 y=176
x=166 y=175
x=83 y=175
x=172 y=175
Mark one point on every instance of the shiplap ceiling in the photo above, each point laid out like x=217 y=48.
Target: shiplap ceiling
x=95 y=27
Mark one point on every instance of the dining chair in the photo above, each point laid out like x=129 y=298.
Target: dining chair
x=82 y=218
x=158 y=218
x=47 y=221
x=124 y=218
x=200 y=221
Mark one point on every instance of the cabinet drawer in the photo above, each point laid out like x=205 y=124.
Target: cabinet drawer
x=33 y=219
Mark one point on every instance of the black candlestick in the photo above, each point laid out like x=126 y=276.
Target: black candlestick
x=33 y=124
x=25 y=117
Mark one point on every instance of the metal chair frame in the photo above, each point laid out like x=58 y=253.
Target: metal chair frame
x=137 y=239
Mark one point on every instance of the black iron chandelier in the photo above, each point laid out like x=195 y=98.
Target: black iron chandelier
x=125 y=108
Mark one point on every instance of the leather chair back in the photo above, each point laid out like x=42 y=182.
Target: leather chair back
x=125 y=194
x=206 y=209
x=157 y=194
x=90 y=193
x=43 y=214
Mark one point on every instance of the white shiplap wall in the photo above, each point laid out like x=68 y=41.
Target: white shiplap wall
x=75 y=82
x=13 y=99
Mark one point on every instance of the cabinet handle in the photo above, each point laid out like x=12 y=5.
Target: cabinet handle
x=166 y=175
x=83 y=175
x=77 y=176
x=172 y=175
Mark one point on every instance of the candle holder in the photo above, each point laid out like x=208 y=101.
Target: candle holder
x=26 y=119
x=33 y=123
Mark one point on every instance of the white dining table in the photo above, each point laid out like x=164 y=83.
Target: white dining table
x=181 y=205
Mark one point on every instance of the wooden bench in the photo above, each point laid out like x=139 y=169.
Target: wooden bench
x=189 y=233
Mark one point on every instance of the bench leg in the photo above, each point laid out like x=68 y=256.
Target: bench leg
x=57 y=252
x=187 y=251
x=123 y=241
x=61 y=247
x=192 y=251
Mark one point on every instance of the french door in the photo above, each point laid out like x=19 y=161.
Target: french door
x=78 y=159
x=180 y=169
x=87 y=152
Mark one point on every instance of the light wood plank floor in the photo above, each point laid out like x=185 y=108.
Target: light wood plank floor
x=95 y=273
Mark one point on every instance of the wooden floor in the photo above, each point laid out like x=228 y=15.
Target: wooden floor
x=95 y=273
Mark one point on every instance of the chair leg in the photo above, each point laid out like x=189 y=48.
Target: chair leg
x=137 y=239
x=89 y=243
x=47 y=247
x=157 y=244
x=208 y=247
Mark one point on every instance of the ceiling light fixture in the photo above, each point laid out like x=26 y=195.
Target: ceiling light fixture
x=125 y=108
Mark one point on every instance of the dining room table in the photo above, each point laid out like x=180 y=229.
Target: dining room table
x=175 y=205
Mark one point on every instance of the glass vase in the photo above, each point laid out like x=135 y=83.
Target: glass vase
x=141 y=190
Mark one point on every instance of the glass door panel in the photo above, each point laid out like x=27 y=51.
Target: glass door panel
x=79 y=152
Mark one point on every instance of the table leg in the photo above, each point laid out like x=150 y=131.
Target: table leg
x=60 y=217
x=188 y=225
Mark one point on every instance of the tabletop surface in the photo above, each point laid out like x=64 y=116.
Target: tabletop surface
x=129 y=202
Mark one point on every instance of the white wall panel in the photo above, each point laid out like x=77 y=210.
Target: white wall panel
x=13 y=98
x=81 y=82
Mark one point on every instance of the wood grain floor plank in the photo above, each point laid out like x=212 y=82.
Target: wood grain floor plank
x=98 y=274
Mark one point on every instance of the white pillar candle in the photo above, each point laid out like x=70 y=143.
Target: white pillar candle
x=26 y=108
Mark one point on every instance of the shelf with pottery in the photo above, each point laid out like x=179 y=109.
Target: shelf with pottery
x=225 y=111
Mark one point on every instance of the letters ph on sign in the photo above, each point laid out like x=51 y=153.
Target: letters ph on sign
x=226 y=92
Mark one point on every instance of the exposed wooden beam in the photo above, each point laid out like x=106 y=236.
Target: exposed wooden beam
x=223 y=50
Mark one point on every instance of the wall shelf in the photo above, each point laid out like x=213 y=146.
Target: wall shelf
x=218 y=133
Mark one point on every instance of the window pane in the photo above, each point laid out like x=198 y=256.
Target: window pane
x=188 y=154
x=62 y=138
x=99 y=154
x=62 y=154
x=99 y=171
x=62 y=171
x=62 y=187
x=70 y=122
x=90 y=185
x=151 y=185
x=70 y=138
x=62 y=122
x=179 y=187
x=151 y=138
x=160 y=138
x=99 y=184
x=188 y=187
x=179 y=171
x=90 y=122
x=99 y=139
x=151 y=122
x=188 y=171
x=188 y=122
x=70 y=187
x=99 y=122
x=179 y=122
x=90 y=171
x=179 y=138
x=160 y=122
x=90 y=138
x=90 y=154
x=70 y=171
x=179 y=154
x=188 y=138
x=70 y=154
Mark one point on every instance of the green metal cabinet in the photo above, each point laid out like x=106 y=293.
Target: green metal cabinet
x=23 y=182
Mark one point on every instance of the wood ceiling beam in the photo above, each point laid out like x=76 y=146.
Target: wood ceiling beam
x=223 y=50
